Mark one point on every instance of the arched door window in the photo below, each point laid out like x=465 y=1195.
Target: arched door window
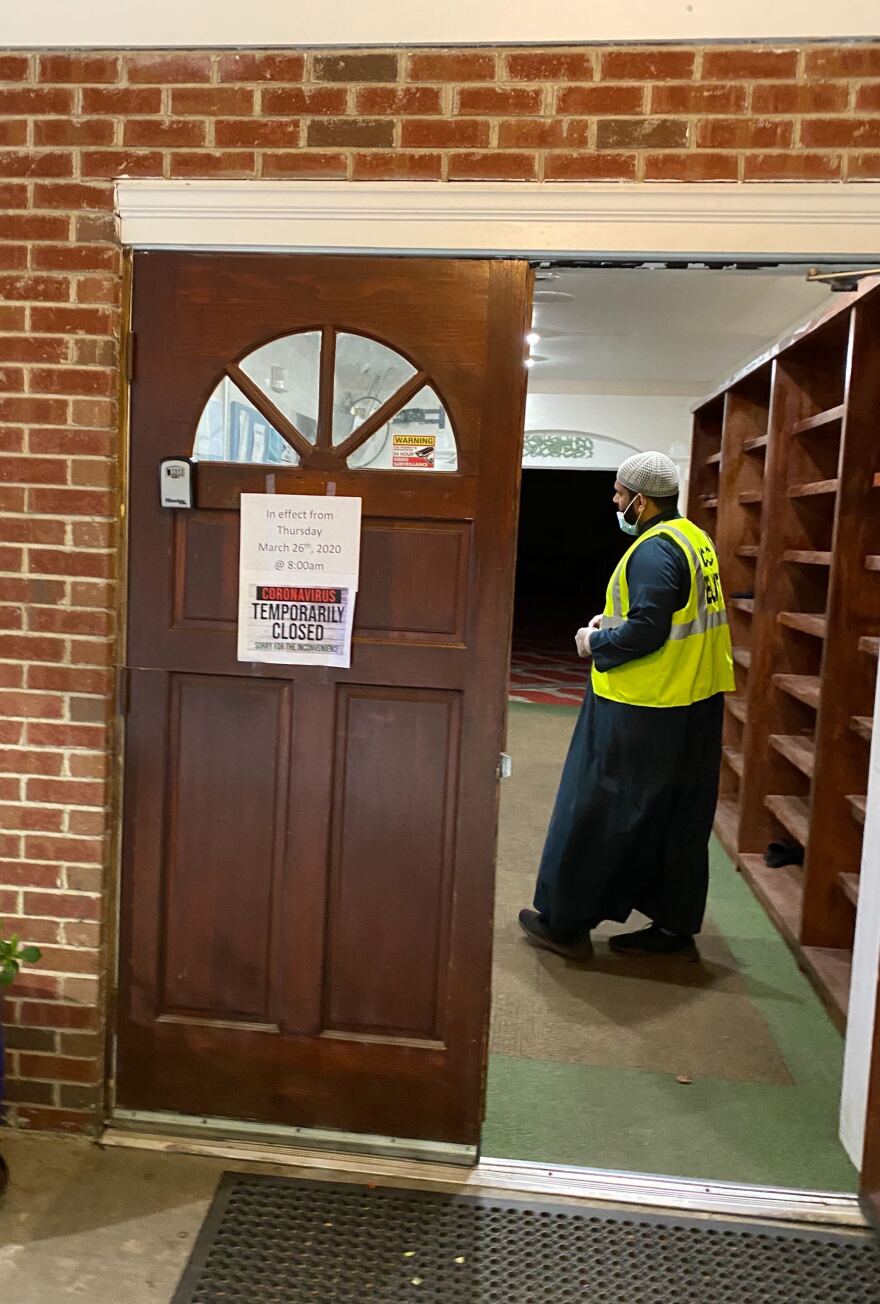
x=327 y=399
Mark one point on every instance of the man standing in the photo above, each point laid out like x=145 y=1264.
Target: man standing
x=634 y=811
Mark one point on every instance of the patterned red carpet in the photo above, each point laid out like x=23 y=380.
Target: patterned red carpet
x=546 y=673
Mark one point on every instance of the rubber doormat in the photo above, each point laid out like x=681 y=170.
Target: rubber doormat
x=271 y=1240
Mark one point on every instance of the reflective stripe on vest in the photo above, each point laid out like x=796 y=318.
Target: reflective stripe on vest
x=696 y=661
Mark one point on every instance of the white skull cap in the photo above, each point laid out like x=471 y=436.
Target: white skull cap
x=652 y=474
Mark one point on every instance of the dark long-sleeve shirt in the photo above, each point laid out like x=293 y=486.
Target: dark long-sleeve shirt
x=658 y=579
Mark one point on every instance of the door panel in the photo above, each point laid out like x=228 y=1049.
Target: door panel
x=308 y=852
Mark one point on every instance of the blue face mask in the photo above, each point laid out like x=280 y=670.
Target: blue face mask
x=629 y=527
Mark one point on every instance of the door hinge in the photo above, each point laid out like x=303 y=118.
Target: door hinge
x=130 y=340
x=123 y=680
x=505 y=766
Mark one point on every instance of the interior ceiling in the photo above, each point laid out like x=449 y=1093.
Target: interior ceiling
x=659 y=331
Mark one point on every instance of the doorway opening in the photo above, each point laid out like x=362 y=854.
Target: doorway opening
x=728 y=1070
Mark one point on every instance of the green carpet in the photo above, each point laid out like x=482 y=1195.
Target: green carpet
x=713 y=1127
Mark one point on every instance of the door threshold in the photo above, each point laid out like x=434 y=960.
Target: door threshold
x=507 y=1177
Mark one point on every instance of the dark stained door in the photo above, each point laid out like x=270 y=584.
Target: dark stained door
x=308 y=853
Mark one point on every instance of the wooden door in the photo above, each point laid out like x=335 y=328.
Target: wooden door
x=308 y=853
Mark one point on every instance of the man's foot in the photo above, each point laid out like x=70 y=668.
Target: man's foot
x=537 y=932
x=655 y=941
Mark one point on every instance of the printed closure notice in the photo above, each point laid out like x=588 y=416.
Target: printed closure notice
x=298 y=577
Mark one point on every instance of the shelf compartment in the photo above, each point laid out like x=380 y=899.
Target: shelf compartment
x=814 y=489
x=780 y=892
x=737 y=708
x=818 y=422
x=793 y=814
x=807 y=558
x=849 y=886
x=863 y=725
x=870 y=645
x=743 y=604
x=710 y=504
x=748 y=550
x=859 y=807
x=804 y=622
x=805 y=688
x=743 y=657
x=714 y=460
x=755 y=445
x=830 y=972
x=727 y=824
x=734 y=759
x=797 y=748
x=751 y=496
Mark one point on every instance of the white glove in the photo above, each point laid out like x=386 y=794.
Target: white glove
x=582 y=641
x=595 y=623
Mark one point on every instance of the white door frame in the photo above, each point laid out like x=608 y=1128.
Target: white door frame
x=826 y=221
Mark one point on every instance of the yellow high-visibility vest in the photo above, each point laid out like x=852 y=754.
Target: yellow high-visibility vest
x=696 y=661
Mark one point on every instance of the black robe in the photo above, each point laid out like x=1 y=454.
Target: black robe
x=631 y=824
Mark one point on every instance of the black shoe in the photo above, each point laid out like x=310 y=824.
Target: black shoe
x=578 y=949
x=655 y=941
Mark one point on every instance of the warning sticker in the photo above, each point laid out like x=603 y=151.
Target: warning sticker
x=413 y=451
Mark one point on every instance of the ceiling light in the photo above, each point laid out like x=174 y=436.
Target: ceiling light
x=532 y=338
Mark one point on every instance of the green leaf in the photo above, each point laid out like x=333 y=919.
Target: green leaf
x=31 y=954
x=8 y=972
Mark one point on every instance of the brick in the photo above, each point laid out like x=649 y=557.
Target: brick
x=28 y=408
x=93 y=534
x=855 y=60
x=64 y=792
x=868 y=97
x=454 y=66
x=37 y=348
x=10 y=844
x=14 y=195
x=542 y=133
x=95 y=353
x=44 y=1119
x=121 y=163
x=647 y=65
x=11 y=441
x=27 y=874
x=11 y=734
x=549 y=66
x=600 y=99
x=248 y=67
x=12 y=257
x=302 y=101
x=444 y=133
x=85 y=851
x=54 y=289
x=82 y=1045
x=121 y=100
x=305 y=163
x=68 y=679
x=23 y=590
x=73 y=320
x=45 y=561
x=38 y=99
x=71 y=380
x=164 y=69
x=92 y=411
x=258 y=133
x=13 y=131
x=404 y=100
x=11 y=380
x=37 y=819
x=12 y=318
x=864 y=167
x=67 y=502
x=360 y=67
x=78 y=69
x=95 y=226
x=60 y=620
x=16 y=761
x=29 y=529
x=86 y=823
x=801 y=166
x=61 y=905
x=11 y=500
x=30 y=1039
x=498 y=166
x=36 y=163
x=589 y=167
x=14 y=67
x=209 y=101
x=79 y=1097
x=32 y=1093
x=35 y=226
x=325 y=132
x=54 y=1014
x=691 y=166
x=745 y=133
x=220 y=163
x=31 y=648
x=698 y=98
x=744 y=64
x=397 y=165
x=92 y=593
x=648 y=133
x=58 y=1067
x=91 y=652
x=844 y=132
x=166 y=133
x=496 y=100
x=816 y=97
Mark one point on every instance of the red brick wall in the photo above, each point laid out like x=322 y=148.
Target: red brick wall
x=69 y=123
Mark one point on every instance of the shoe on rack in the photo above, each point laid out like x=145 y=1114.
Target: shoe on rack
x=655 y=941
x=578 y=949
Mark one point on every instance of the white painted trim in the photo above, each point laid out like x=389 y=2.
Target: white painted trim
x=797 y=221
x=422 y=22
x=514 y=1178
